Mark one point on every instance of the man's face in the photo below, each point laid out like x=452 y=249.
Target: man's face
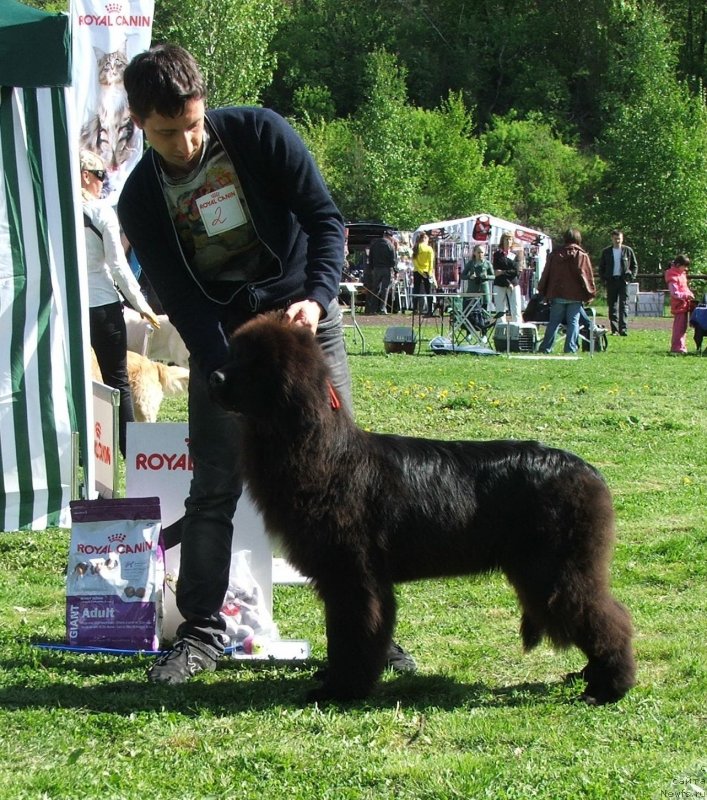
x=617 y=239
x=177 y=140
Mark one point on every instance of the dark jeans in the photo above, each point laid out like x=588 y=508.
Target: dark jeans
x=207 y=526
x=617 y=300
x=110 y=343
x=421 y=285
x=376 y=297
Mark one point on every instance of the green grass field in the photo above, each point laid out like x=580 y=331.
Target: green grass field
x=480 y=719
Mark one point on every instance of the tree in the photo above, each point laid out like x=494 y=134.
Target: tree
x=341 y=155
x=551 y=175
x=391 y=170
x=655 y=184
x=454 y=179
x=230 y=39
x=406 y=165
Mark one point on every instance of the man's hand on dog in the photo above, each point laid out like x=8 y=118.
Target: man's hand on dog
x=305 y=313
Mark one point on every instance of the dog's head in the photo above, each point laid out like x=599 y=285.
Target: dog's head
x=271 y=370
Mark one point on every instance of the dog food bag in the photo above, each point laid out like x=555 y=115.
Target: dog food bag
x=115 y=574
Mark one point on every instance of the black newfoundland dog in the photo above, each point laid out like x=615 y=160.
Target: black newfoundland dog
x=541 y=516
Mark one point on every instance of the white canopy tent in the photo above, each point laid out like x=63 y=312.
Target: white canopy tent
x=485 y=228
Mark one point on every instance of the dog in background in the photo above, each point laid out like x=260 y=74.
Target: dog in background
x=150 y=382
x=163 y=343
x=542 y=516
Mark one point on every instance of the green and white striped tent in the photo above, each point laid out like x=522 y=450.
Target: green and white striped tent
x=44 y=391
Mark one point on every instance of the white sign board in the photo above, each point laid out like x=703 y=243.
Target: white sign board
x=158 y=464
x=106 y=403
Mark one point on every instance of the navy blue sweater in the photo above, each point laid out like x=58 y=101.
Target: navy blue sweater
x=293 y=214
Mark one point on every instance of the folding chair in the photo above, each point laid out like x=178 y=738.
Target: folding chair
x=470 y=322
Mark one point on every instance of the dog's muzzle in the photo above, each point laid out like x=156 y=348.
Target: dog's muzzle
x=217 y=383
x=217 y=379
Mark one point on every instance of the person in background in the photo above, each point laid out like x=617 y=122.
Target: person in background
x=567 y=281
x=230 y=218
x=383 y=261
x=423 y=276
x=108 y=268
x=680 y=297
x=506 y=292
x=479 y=274
x=617 y=268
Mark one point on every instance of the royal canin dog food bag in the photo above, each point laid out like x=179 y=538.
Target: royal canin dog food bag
x=115 y=574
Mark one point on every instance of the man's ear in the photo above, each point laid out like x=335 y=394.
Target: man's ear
x=136 y=120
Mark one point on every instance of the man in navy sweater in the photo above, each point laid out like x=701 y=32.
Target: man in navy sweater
x=229 y=217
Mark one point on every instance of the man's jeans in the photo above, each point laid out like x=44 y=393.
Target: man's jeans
x=562 y=312
x=207 y=528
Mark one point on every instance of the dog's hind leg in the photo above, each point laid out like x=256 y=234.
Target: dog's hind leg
x=360 y=618
x=576 y=608
x=587 y=615
x=605 y=636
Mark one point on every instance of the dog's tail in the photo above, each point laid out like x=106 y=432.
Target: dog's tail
x=174 y=379
x=530 y=632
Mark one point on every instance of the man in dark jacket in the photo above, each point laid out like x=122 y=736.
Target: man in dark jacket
x=229 y=217
x=617 y=268
x=382 y=261
x=567 y=281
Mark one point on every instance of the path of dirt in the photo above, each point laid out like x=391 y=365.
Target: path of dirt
x=635 y=323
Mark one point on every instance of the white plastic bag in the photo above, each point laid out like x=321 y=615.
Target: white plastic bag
x=249 y=624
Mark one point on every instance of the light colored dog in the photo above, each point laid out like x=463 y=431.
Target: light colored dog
x=150 y=382
x=159 y=344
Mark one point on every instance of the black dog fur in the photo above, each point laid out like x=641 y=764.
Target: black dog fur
x=541 y=516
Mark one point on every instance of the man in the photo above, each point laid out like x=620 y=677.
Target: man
x=567 y=281
x=617 y=268
x=229 y=217
x=383 y=261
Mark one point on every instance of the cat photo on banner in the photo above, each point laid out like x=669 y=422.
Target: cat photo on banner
x=106 y=36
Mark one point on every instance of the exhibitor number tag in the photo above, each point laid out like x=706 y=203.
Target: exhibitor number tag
x=221 y=210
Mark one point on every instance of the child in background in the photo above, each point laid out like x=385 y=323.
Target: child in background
x=680 y=297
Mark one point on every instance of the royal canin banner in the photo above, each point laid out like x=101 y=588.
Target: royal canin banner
x=106 y=35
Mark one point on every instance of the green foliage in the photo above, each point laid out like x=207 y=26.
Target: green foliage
x=544 y=113
x=455 y=180
x=656 y=147
x=326 y=45
x=382 y=123
x=230 y=39
x=342 y=157
x=402 y=164
x=314 y=102
x=551 y=175
x=366 y=158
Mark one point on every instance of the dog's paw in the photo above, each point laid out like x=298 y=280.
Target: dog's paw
x=326 y=693
x=600 y=696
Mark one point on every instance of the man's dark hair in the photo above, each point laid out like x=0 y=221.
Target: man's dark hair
x=163 y=79
x=572 y=236
x=616 y=232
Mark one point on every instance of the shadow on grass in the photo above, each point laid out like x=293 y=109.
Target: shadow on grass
x=236 y=686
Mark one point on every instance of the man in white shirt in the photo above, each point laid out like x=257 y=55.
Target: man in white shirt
x=617 y=268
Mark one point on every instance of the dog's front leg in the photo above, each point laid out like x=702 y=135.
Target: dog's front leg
x=360 y=618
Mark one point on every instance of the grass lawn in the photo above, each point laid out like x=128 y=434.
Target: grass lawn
x=480 y=719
